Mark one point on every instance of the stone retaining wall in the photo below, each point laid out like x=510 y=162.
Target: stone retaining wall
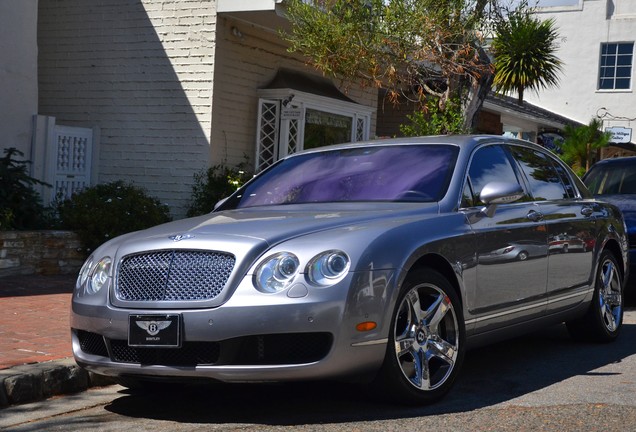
x=39 y=252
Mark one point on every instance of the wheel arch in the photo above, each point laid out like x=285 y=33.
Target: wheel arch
x=613 y=246
x=441 y=265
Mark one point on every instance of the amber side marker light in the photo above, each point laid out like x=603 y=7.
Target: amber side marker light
x=366 y=326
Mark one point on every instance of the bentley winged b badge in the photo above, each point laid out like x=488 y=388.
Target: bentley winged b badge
x=153 y=327
x=179 y=237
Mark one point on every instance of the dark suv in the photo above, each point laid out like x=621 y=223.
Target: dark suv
x=614 y=181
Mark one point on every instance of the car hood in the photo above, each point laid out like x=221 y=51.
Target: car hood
x=266 y=226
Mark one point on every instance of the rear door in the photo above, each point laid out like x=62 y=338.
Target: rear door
x=569 y=222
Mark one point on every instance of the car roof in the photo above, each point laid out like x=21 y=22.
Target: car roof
x=624 y=160
x=466 y=142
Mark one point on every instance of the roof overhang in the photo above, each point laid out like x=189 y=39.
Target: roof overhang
x=508 y=106
x=312 y=89
x=269 y=14
x=247 y=5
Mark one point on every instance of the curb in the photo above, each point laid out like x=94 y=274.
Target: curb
x=34 y=382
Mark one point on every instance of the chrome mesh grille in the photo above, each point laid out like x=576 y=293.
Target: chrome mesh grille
x=173 y=275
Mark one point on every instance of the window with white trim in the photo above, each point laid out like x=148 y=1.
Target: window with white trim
x=616 y=62
x=290 y=121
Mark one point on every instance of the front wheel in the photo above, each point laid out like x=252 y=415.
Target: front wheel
x=604 y=318
x=427 y=340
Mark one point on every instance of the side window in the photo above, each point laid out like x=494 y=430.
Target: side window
x=543 y=178
x=490 y=163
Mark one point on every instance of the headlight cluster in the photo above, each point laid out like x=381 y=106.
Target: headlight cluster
x=93 y=275
x=279 y=271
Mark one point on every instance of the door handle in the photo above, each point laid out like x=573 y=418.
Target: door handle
x=535 y=216
x=587 y=211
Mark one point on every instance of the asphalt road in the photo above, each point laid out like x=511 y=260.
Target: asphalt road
x=544 y=381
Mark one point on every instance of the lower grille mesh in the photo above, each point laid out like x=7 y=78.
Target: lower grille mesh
x=272 y=349
x=92 y=343
x=191 y=354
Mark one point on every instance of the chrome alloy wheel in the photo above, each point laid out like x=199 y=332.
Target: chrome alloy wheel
x=426 y=336
x=609 y=298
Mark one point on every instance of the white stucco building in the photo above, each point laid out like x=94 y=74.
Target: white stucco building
x=597 y=50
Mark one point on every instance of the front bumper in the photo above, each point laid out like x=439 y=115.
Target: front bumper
x=253 y=337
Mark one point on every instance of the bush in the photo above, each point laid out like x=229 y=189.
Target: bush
x=214 y=184
x=20 y=205
x=433 y=121
x=102 y=212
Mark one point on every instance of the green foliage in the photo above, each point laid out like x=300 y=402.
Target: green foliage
x=434 y=121
x=20 y=205
x=100 y=213
x=524 y=49
x=433 y=47
x=214 y=184
x=582 y=143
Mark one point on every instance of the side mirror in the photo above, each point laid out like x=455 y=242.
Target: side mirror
x=499 y=193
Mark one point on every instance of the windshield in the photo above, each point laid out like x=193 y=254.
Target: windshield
x=611 y=179
x=418 y=173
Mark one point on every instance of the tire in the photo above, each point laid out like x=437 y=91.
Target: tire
x=604 y=318
x=426 y=342
x=523 y=255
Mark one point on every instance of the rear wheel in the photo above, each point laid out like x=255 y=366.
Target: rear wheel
x=427 y=340
x=604 y=319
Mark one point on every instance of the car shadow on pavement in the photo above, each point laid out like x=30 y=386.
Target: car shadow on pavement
x=491 y=375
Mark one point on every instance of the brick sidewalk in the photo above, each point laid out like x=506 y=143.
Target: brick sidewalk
x=34 y=319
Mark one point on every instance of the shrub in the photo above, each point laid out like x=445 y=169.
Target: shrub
x=102 y=212
x=433 y=121
x=20 y=205
x=214 y=184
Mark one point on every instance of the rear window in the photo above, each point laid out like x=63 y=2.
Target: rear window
x=611 y=179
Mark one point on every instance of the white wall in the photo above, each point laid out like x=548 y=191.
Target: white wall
x=582 y=29
x=18 y=73
x=140 y=71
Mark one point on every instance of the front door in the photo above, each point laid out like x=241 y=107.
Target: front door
x=511 y=257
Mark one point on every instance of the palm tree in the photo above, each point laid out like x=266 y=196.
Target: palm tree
x=524 y=49
x=581 y=144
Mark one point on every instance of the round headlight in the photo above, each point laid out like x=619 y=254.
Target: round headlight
x=83 y=273
x=277 y=272
x=98 y=276
x=328 y=267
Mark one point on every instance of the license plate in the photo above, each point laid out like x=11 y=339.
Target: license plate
x=154 y=331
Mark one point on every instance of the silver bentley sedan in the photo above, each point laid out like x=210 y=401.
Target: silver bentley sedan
x=372 y=261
